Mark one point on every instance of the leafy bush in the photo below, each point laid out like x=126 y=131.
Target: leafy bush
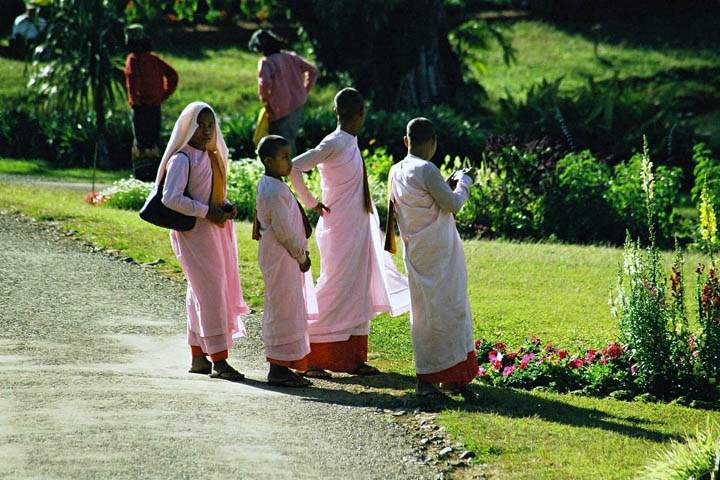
x=514 y=181
x=243 y=177
x=126 y=194
x=577 y=207
x=627 y=199
x=697 y=457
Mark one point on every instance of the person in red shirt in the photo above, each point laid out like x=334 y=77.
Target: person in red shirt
x=149 y=82
x=284 y=81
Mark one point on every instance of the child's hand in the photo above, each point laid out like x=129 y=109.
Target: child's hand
x=230 y=211
x=216 y=215
x=305 y=266
x=320 y=207
x=470 y=172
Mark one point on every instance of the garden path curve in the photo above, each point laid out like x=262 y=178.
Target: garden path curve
x=93 y=384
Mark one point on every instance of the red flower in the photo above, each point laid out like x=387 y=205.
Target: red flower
x=562 y=354
x=590 y=356
x=575 y=363
x=496 y=365
x=612 y=351
x=478 y=344
x=501 y=346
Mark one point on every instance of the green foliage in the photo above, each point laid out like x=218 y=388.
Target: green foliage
x=706 y=173
x=243 y=177
x=127 y=194
x=698 y=457
x=577 y=207
x=513 y=183
x=627 y=199
x=76 y=67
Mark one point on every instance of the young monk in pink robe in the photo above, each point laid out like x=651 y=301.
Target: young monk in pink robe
x=196 y=161
x=357 y=278
x=283 y=229
x=441 y=322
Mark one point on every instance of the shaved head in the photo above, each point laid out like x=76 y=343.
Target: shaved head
x=348 y=103
x=420 y=131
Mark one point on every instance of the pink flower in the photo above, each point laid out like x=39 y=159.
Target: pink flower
x=575 y=362
x=541 y=359
x=482 y=372
x=507 y=371
x=633 y=369
x=494 y=355
x=590 y=356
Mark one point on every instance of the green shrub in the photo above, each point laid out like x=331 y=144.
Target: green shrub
x=243 y=177
x=698 y=457
x=126 y=194
x=577 y=208
x=627 y=199
x=706 y=173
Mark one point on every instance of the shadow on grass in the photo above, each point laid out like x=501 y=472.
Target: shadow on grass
x=499 y=401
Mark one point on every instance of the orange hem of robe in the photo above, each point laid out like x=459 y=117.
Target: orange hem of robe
x=301 y=365
x=197 y=351
x=339 y=356
x=459 y=375
x=216 y=357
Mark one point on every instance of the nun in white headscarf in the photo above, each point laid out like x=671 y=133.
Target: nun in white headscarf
x=195 y=162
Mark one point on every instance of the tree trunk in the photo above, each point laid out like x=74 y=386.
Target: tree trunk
x=436 y=76
x=102 y=159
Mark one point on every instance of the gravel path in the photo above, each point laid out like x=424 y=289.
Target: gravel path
x=93 y=385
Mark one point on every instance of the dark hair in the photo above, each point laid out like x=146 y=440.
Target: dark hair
x=420 y=131
x=269 y=146
x=265 y=42
x=140 y=45
x=348 y=103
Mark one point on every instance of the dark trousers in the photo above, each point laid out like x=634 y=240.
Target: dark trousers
x=146 y=125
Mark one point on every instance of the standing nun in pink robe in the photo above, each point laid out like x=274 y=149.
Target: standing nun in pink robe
x=358 y=279
x=196 y=159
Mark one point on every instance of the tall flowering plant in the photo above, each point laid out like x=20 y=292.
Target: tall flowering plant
x=651 y=325
x=708 y=294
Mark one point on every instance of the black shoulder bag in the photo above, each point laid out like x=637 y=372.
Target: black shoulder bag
x=154 y=211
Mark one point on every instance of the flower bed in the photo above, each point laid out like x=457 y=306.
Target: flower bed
x=610 y=371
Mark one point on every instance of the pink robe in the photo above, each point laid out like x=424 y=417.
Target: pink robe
x=357 y=277
x=289 y=295
x=208 y=256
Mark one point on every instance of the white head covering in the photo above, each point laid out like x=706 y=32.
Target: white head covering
x=183 y=131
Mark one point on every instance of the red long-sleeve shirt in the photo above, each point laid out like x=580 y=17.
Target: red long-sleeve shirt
x=148 y=79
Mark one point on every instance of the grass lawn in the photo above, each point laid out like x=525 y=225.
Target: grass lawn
x=576 y=51
x=41 y=169
x=558 y=292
